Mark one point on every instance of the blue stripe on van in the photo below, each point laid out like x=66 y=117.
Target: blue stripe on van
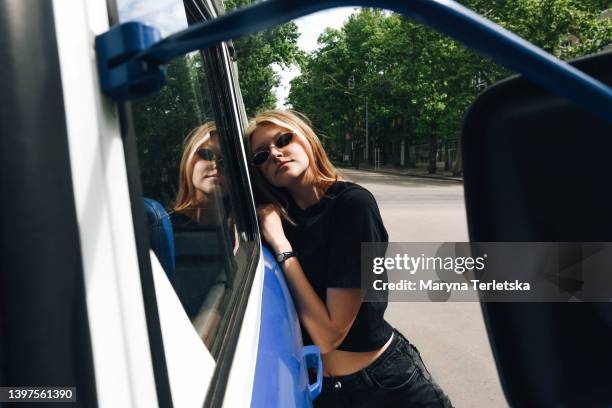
x=280 y=375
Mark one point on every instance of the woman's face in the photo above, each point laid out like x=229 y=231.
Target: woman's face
x=285 y=165
x=208 y=176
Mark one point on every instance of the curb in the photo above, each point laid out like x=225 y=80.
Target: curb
x=419 y=175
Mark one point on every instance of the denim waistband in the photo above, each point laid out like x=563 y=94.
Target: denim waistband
x=397 y=339
x=357 y=376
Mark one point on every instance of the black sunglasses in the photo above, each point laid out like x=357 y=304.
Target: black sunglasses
x=209 y=155
x=261 y=156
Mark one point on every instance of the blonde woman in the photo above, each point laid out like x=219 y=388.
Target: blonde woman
x=202 y=182
x=315 y=223
x=202 y=219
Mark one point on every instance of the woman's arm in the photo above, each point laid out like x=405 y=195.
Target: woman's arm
x=327 y=324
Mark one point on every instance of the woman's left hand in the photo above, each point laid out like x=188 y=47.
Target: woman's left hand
x=272 y=228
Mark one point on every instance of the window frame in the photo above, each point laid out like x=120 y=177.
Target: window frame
x=141 y=235
x=45 y=328
x=222 y=83
x=229 y=113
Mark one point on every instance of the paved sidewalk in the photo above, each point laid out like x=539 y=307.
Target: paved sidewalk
x=411 y=172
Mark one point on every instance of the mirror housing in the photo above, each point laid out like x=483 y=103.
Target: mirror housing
x=536 y=168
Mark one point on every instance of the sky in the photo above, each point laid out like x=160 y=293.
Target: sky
x=310 y=27
x=168 y=16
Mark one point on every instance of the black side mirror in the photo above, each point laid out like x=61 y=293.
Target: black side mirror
x=537 y=168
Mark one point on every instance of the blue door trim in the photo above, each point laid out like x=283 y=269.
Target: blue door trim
x=281 y=379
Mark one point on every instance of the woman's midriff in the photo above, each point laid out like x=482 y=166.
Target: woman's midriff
x=338 y=362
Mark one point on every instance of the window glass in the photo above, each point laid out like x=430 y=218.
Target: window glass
x=168 y=16
x=199 y=237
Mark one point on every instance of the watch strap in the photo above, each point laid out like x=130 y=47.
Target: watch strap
x=283 y=256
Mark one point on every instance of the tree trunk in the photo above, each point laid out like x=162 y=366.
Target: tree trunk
x=342 y=145
x=458 y=166
x=433 y=151
x=407 y=157
x=447 y=163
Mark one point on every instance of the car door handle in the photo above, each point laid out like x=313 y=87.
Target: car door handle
x=311 y=355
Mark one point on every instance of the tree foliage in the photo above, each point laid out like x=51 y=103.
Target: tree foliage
x=256 y=54
x=164 y=120
x=418 y=83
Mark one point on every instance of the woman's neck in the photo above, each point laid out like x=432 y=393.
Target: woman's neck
x=208 y=210
x=304 y=194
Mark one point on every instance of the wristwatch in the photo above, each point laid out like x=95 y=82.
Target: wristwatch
x=283 y=256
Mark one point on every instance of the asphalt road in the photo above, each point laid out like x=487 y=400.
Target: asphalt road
x=451 y=336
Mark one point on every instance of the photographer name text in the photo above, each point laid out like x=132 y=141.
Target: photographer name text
x=432 y=285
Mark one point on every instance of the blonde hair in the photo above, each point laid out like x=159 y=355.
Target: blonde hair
x=186 y=197
x=322 y=172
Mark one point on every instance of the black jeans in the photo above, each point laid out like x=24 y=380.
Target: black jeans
x=397 y=378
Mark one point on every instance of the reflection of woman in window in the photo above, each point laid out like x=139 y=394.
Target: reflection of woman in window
x=307 y=209
x=202 y=198
x=202 y=183
x=205 y=234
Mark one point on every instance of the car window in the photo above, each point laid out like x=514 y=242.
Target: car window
x=168 y=16
x=193 y=200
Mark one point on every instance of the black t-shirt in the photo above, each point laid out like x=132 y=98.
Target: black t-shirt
x=328 y=239
x=200 y=256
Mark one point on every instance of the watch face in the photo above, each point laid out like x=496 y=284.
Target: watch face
x=280 y=257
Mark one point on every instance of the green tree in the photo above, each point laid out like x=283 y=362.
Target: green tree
x=337 y=79
x=162 y=122
x=565 y=28
x=255 y=55
x=419 y=83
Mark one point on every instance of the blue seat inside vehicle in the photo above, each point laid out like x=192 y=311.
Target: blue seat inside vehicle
x=160 y=236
